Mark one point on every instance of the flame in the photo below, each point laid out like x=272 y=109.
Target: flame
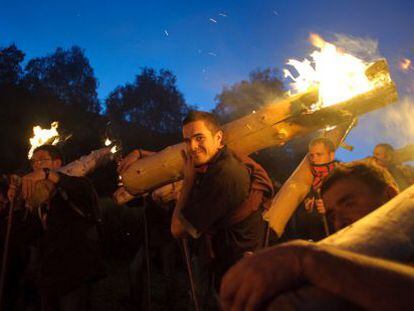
x=405 y=64
x=43 y=136
x=338 y=75
x=114 y=148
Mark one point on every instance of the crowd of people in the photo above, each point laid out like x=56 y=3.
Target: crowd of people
x=218 y=206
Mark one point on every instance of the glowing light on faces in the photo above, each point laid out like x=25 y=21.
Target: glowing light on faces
x=338 y=75
x=42 y=136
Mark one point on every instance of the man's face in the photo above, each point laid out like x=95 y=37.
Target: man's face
x=201 y=143
x=350 y=199
x=382 y=156
x=320 y=154
x=42 y=159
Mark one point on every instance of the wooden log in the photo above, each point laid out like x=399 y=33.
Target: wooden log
x=295 y=189
x=273 y=125
x=386 y=233
x=81 y=167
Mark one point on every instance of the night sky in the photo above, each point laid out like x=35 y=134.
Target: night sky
x=209 y=44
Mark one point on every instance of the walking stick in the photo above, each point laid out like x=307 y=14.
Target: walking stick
x=146 y=251
x=6 y=250
x=190 y=274
x=267 y=235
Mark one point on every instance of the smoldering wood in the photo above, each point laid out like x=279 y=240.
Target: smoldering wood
x=273 y=125
x=386 y=233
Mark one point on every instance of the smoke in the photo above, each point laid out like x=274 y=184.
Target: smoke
x=398 y=122
x=363 y=48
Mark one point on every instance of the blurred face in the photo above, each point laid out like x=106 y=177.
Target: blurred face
x=320 y=154
x=350 y=199
x=382 y=156
x=201 y=143
x=42 y=159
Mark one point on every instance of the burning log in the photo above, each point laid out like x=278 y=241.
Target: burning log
x=295 y=189
x=273 y=125
x=387 y=233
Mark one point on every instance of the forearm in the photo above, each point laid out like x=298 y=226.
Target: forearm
x=371 y=283
x=177 y=225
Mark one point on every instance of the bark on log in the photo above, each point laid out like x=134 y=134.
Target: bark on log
x=295 y=189
x=387 y=233
x=273 y=125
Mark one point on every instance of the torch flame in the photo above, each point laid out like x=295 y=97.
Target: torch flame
x=338 y=75
x=108 y=142
x=43 y=136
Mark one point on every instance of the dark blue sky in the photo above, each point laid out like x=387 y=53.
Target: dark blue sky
x=121 y=36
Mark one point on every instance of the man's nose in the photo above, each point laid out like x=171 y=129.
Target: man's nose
x=193 y=145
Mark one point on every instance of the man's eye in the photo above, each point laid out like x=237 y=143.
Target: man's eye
x=199 y=138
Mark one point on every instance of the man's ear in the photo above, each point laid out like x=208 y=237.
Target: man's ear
x=332 y=156
x=219 y=136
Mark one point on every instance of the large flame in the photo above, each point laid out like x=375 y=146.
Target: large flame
x=338 y=75
x=43 y=136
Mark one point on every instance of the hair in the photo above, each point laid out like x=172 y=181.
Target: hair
x=377 y=178
x=208 y=118
x=53 y=151
x=323 y=140
x=387 y=147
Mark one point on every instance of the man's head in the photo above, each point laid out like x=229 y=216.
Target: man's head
x=383 y=154
x=354 y=190
x=46 y=156
x=321 y=151
x=203 y=136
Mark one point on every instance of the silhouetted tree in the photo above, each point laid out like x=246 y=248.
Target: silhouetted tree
x=10 y=65
x=67 y=75
x=152 y=101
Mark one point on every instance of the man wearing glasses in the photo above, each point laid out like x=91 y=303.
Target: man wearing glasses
x=66 y=228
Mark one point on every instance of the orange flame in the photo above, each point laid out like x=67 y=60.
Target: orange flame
x=43 y=136
x=339 y=76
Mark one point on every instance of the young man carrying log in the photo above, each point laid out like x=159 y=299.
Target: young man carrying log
x=222 y=195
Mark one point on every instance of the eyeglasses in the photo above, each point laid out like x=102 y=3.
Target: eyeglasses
x=40 y=161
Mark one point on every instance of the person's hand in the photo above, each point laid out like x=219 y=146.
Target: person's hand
x=309 y=204
x=128 y=160
x=189 y=168
x=131 y=158
x=29 y=182
x=255 y=279
x=320 y=206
